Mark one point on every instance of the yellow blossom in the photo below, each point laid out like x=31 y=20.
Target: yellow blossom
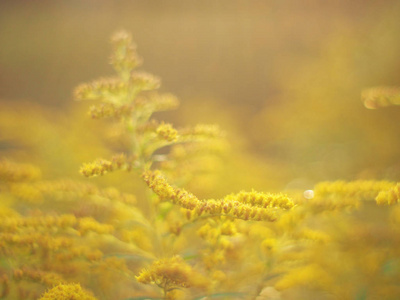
x=124 y=58
x=96 y=168
x=381 y=96
x=228 y=206
x=362 y=189
x=167 y=132
x=67 y=291
x=47 y=278
x=262 y=199
x=390 y=196
x=90 y=224
x=342 y=194
x=101 y=166
x=201 y=132
x=27 y=192
x=142 y=81
x=109 y=110
x=171 y=273
x=109 y=90
x=12 y=172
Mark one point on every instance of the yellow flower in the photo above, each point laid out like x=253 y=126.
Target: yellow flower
x=66 y=291
x=109 y=110
x=96 y=168
x=341 y=194
x=124 y=58
x=101 y=166
x=167 y=132
x=171 y=273
x=389 y=197
x=381 y=96
x=13 y=172
x=90 y=224
x=262 y=199
x=233 y=206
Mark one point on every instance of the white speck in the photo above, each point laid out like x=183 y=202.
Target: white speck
x=309 y=194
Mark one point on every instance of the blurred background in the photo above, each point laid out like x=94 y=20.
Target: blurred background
x=283 y=78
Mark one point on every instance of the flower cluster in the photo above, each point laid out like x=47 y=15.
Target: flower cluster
x=245 y=205
x=66 y=190
x=218 y=233
x=171 y=273
x=390 y=196
x=263 y=200
x=12 y=172
x=124 y=57
x=67 y=292
x=49 y=235
x=381 y=96
x=47 y=278
x=343 y=194
x=101 y=166
x=108 y=110
x=129 y=99
x=167 y=132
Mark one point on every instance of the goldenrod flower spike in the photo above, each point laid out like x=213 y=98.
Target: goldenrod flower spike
x=390 y=196
x=46 y=278
x=90 y=224
x=101 y=166
x=166 y=192
x=342 y=194
x=116 y=91
x=262 y=199
x=201 y=132
x=143 y=81
x=171 y=273
x=10 y=223
x=365 y=189
x=12 y=172
x=381 y=96
x=149 y=104
x=229 y=206
x=108 y=110
x=96 y=168
x=124 y=58
x=67 y=190
x=108 y=90
x=167 y=132
x=67 y=291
